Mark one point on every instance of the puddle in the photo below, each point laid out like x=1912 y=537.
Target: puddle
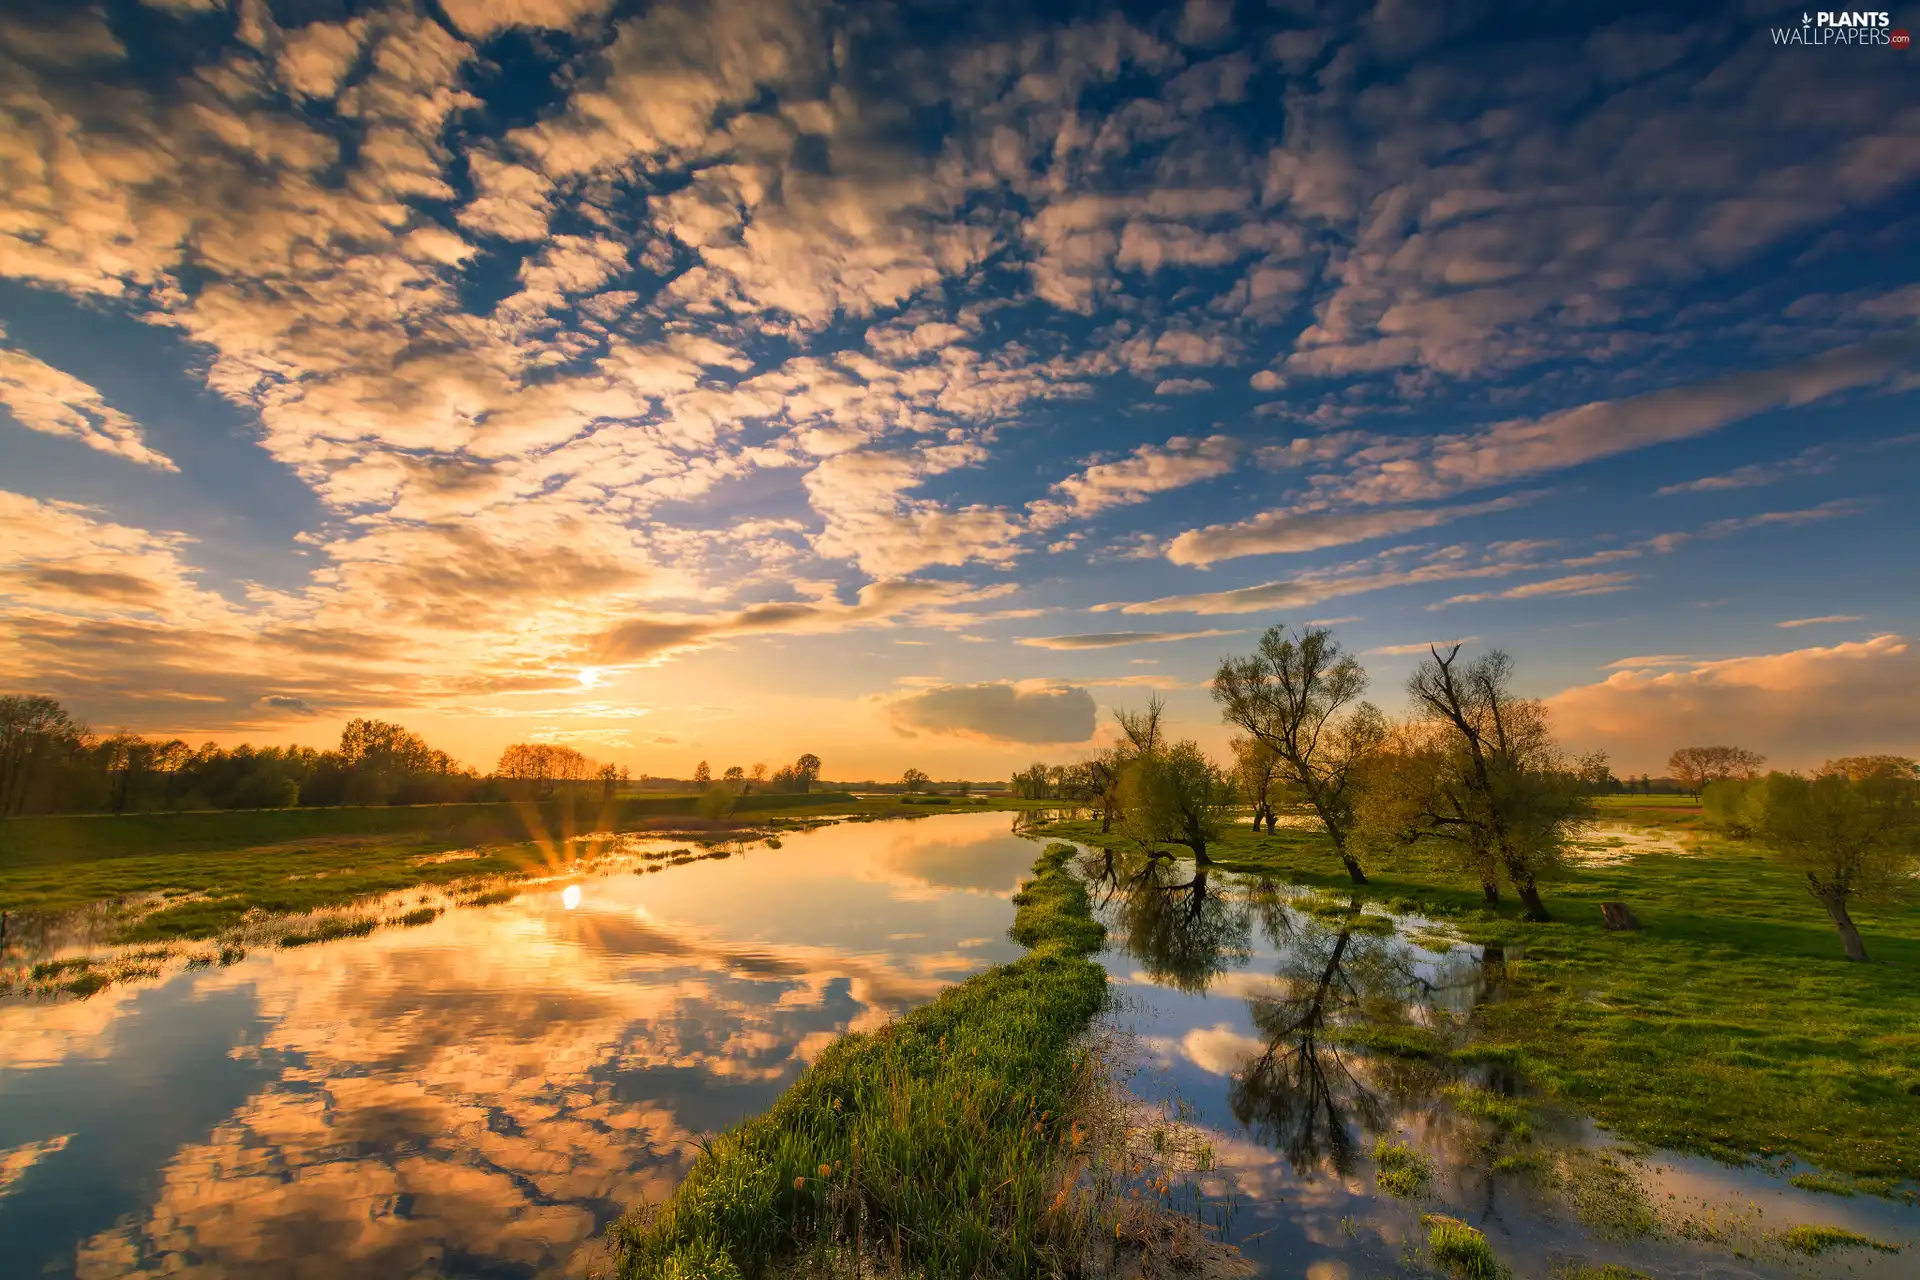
x=1323 y=1050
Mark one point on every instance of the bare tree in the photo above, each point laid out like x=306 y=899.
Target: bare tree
x=1695 y=767
x=1297 y=694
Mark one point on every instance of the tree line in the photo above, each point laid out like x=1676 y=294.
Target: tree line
x=797 y=778
x=1470 y=772
x=51 y=762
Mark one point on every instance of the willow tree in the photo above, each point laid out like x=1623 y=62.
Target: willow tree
x=1488 y=776
x=1298 y=694
x=1175 y=795
x=1853 y=830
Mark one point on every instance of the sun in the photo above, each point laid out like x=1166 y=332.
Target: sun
x=589 y=677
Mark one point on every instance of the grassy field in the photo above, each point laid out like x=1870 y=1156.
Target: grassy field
x=939 y=1144
x=224 y=864
x=1731 y=1024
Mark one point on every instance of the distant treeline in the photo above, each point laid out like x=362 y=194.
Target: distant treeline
x=52 y=763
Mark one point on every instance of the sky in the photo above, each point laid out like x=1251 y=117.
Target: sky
x=914 y=384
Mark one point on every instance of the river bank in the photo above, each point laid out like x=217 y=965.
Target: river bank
x=1728 y=1025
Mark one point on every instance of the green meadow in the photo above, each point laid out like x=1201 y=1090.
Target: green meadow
x=223 y=864
x=1729 y=1024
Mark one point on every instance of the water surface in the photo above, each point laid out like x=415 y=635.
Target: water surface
x=1250 y=1007
x=480 y=1095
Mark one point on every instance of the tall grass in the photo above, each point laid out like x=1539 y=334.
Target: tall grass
x=938 y=1143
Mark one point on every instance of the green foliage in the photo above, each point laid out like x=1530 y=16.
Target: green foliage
x=418 y=916
x=1400 y=1170
x=943 y=1130
x=1728 y=1026
x=1461 y=1249
x=1818 y=1239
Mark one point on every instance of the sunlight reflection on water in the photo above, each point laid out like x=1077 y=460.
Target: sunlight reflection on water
x=482 y=1093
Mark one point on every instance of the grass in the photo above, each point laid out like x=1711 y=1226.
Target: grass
x=1508 y=1115
x=1729 y=1025
x=1400 y=1170
x=330 y=929
x=1815 y=1240
x=217 y=867
x=1461 y=1249
x=939 y=1141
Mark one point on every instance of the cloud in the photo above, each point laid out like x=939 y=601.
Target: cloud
x=1837 y=509
x=1148 y=470
x=1309 y=589
x=1652 y=660
x=1402 y=650
x=1415 y=469
x=478 y=19
x=1820 y=621
x=1798 y=708
x=295 y=706
x=1034 y=712
x=1288 y=532
x=650 y=638
x=1578 y=584
x=1114 y=639
x=1812 y=461
x=1182 y=386
x=45 y=399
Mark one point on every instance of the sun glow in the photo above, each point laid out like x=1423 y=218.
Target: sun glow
x=590 y=678
x=570 y=896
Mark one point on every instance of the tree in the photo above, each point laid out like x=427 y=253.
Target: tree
x=1695 y=767
x=734 y=773
x=1853 y=830
x=913 y=781
x=1175 y=795
x=611 y=777
x=759 y=773
x=1290 y=694
x=806 y=772
x=1254 y=767
x=1488 y=774
x=702 y=776
x=35 y=733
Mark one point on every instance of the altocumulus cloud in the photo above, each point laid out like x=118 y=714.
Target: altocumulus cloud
x=1027 y=711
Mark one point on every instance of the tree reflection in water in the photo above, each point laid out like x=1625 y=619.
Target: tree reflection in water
x=1315 y=1092
x=1312 y=1094
x=1182 y=932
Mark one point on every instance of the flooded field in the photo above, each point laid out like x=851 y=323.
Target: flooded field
x=480 y=1094
x=1312 y=1060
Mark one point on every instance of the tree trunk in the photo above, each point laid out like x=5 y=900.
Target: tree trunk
x=1273 y=820
x=1536 y=910
x=1836 y=905
x=1491 y=888
x=1353 y=868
